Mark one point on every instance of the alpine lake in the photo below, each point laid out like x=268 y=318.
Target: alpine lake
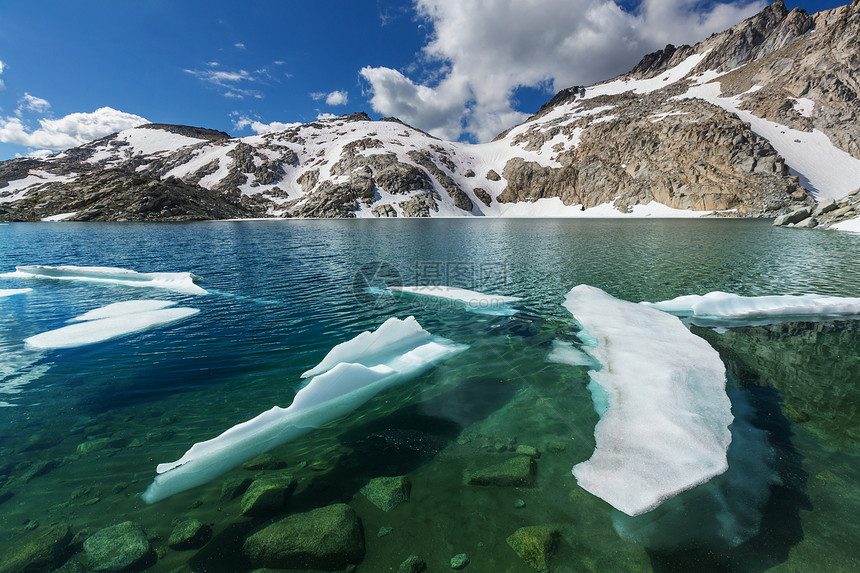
x=82 y=429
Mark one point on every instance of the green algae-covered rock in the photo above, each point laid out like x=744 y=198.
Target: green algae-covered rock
x=40 y=552
x=535 y=545
x=268 y=495
x=518 y=471
x=412 y=564
x=189 y=534
x=329 y=537
x=386 y=493
x=117 y=547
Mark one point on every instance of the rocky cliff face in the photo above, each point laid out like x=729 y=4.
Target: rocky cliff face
x=758 y=120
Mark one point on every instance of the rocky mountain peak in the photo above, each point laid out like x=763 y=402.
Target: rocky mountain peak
x=188 y=131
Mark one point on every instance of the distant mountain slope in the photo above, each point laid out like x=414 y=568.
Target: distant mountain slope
x=755 y=121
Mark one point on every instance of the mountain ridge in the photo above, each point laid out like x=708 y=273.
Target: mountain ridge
x=742 y=124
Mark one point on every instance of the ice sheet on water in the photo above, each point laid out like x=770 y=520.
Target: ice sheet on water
x=727 y=510
x=727 y=309
x=470 y=300
x=388 y=339
x=564 y=352
x=123 y=308
x=336 y=391
x=4 y=292
x=179 y=282
x=665 y=425
x=111 y=324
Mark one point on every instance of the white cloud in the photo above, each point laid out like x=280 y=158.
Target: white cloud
x=332 y=98
x=259 y=127
x=483 y=55
x=337 y=98
x=232 y=82
x=32 y=103
x=69 y=131
x=239 y=45
x=327 y=116
x=2 y=65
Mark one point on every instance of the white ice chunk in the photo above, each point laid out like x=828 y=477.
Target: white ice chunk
x=566 y=353
x=388 y=339
x=471 y=300
x=330 y=395
x=91 y=331
x=4 y=292
x=665 y=426
x=123 y=308
x=179 y=282
x=727 y=309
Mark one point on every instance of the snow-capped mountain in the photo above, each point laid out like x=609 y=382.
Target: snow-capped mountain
x=755 y=121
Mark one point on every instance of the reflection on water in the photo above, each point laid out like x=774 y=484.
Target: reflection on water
x=84 y=428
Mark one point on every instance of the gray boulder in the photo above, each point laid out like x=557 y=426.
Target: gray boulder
x=795 y=216
x=808 y=223
x=826 y=206
x=329 y=538
x=117 y=547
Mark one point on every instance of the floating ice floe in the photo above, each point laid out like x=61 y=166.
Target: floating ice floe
x=726 y=309
x=664 y=412
x=111 y=321
x=4 y=292
x=563 y=352
x=178 y=282
x=470 y=300
x=351 y=374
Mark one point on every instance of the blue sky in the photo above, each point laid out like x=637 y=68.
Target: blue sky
x=462 y=69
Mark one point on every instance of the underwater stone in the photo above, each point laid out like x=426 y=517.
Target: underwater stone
x=386 y=493
x=41 y=552
x=267 y=495
x=459 y=561
x=384 y=530
x=43 y=439
x=234 y=487
x=325 y=538
x=519 y=503
x=5 y=494
x=39 y=469
x=117 y=547
x=535 y=545
x=518 y=471
x=529 y=451
x=412 y=564
x=70 y=566
x=189 y=534
x=98 y=444
x=264 y=462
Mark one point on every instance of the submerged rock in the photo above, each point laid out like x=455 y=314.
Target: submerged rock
x=535 y=545
x=117 y=547
x=412 y=564
x=234 y=487
x=518 y=471
x=267 y=495
x=386 y=493
x=189 y=534
x=264 y=462
x=42 y=551
x=459 y=561
x=326 y=538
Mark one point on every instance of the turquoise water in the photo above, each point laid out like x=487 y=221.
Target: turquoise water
x=282 y=293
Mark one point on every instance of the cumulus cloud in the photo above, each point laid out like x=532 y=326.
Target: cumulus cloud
x=69 y=131
x=327 y=116
x=32 y=103
x=2 y=65
x=479 y=56
x=337 y=98
x=259 y=127
x=332 y=98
